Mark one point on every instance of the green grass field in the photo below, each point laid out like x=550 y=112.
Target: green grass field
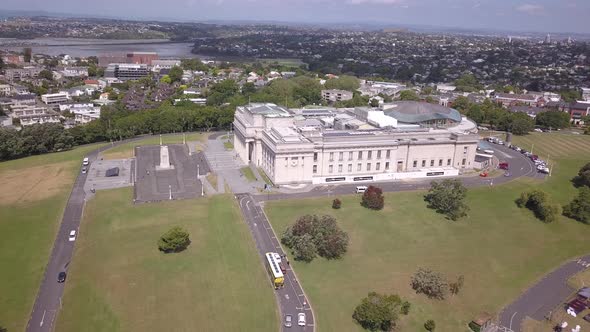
x=119 y=281
x=33 y=196
x=248 y=174
x=500 y=249
x=126 y=150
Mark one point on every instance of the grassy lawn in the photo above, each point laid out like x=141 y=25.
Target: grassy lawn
x=33 y=196
x=247 y=172
x=555 y=145
x=124 y=151
x=119 y=281
x=500 y=249
x=212 y=178
x=264 y=176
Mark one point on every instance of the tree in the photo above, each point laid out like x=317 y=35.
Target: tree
x=448 y=197
x=571 y=95
x=579 y=207
x=429 y=325
x=344 y=82
x=378 y=312
x=221 y=92
x=336 y=203
x=175 y=74
x=373 y=198
x=553 y=119
x=46 y=74
x=405 y=308
x=468 y=83
x=373 y=102
x=408 y=95
x=166 y=79
x=430 y=283
x=248 y=88
x=194 y=65
x=28 y=54
x=461 y=104
x=311 y=235
x=456 y=286
x=175 y=240
x=519 y=125
x=538 y=202
x=583 y=177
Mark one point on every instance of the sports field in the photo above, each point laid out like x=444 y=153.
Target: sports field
x=119 y=281
x=556 y=145
x=33 y=196
x=124 y=151
x=500 y=249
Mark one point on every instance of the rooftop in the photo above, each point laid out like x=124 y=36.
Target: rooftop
x=415 y=112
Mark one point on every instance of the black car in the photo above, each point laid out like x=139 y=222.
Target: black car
x=61 y=277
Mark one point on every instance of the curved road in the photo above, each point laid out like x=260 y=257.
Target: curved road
x=292 y=299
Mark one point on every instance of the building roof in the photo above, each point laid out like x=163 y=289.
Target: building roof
x=528 y=109
x=268 y=109
x=416 y=112
x=516 y=96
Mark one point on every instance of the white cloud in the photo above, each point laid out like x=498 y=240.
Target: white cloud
x=531 y=9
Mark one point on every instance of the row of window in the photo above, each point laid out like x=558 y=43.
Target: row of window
x=440 y=162
x=359 y=155
x=359 y=167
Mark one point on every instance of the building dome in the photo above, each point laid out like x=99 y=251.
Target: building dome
x=425 y=114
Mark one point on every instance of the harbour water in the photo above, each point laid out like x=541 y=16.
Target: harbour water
x=96 y=47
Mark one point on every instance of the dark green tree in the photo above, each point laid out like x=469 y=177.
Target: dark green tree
x=175 y=240
x=448 y=197
x=378 y=312
x=46 y=74
x=248 y=89
x=336 y=203
x=222 y=92
x=344 y=82
x=461 y=104
x=583 y=177
x=538 y=202
x=553 y=119
x=175 y=74
x=468 y=83
x=408 y=95
x=374 y=102
x=579 y=207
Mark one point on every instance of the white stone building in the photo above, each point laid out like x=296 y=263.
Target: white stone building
x=292 y=151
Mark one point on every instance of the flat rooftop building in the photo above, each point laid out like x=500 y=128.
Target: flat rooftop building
x=125 y=71
x=348 y=145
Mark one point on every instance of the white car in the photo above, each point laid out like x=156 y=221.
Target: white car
x=277 y=257
x=72 y=235
x=301 y=319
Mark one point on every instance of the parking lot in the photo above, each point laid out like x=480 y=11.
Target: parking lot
x=98 y=180
x=179 y=182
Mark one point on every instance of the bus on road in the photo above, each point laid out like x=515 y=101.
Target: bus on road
x=274 y=270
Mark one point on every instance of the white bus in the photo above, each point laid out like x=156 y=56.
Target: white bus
x=274 y=270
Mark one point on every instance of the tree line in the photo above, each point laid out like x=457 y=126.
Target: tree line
x=112 y=125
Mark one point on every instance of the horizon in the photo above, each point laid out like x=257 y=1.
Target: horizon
x=541 y=16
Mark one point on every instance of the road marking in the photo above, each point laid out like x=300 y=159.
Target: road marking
x=511 y=318
x=248 y=205
x=42 y=318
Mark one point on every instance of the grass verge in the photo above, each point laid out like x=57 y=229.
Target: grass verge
x=119 y=281
x=125 y=150
x=248 y=174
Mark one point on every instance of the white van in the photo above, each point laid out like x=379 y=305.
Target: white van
x=361 y=189
x=86 y=161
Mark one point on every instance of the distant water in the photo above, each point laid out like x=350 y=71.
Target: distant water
x=95 y=47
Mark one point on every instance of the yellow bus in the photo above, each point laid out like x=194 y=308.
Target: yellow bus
x=274 y=270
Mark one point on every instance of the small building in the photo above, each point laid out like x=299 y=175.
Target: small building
x=75 y=72
x=17 y=74
x=125 y=72
x=334 y=95
x=5 y=89
x=29 y=120
x=55 y=98
x=512 y=99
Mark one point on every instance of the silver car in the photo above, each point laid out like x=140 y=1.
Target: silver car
x=288 y=320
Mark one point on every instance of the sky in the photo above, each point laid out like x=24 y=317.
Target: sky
x=514 y=15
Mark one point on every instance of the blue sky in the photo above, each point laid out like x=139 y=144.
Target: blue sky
x=528 y=15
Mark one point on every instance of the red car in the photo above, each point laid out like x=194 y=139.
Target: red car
x=504 y=165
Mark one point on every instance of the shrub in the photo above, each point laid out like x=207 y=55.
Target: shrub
x=373 y=198
x=175 y=240
x=336 y=203
x=430 y=325
x=311 y=235
x=583 y=177
x=538 y=202
x=405 y=308
x=430 y=283
x=378 y=312
x=456 y=286
x=447 y=197
x=579 y=208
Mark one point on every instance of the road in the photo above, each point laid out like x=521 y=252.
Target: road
x=539 y=300
x=291 y=298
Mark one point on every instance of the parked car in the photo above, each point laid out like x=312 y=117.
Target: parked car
x=72 y=236
x=539 y=130
x=484 y=174
x=534 y=157
x=84 y=170
x=503 y=165
x=301 y=319
x=288 y=320
x=544 y=170
x=61 y=277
